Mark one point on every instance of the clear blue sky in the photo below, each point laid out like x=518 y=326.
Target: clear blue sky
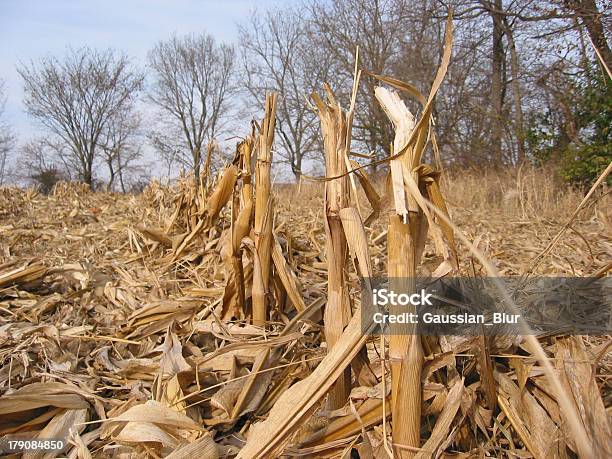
x=30 y=29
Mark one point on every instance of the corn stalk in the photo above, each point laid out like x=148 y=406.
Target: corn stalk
x=409 y=223
x=241 y=225
x=263 y=209
x=337 y=197
x=404 y=244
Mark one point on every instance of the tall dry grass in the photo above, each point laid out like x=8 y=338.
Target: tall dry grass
x=526 y=192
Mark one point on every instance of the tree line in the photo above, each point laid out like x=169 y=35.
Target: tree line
x=524 y=84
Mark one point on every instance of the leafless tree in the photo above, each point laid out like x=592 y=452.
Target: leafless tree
x=7 y=137
x=122 y=149
x=78 y=98
x=193 y=84
x=491 y=128
x=398 y=38
x=591 y=17
x=41 y=163
x=377 y=27
x=493 y=86
x=277 y=54
x=166 y=141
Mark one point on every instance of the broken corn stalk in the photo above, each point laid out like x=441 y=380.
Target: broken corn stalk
x=263 y=206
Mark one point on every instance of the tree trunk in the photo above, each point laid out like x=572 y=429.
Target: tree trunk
x=587 y=11
x=2 y=167
x=88 y=177
x=297 y=170
x=111 y=172
x=516 y=89
x=497 y=64
x=121 y=182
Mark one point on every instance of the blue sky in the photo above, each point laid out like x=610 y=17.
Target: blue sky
x=30 y=29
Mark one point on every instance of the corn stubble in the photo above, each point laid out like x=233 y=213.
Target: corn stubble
x=198 y=332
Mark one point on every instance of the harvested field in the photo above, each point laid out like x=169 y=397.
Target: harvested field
x=224 y=316
x=112 y=330
x=437 y=287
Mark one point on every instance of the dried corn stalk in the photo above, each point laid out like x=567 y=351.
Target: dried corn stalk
x=337 y=197
x=267 y=439
x=234 y=297
x=404 y=242
x=408 y=226
x=263 y=208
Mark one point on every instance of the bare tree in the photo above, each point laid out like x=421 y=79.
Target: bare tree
x=397 y=38
x=591 y=18
x=377 y=28
x=166 y=142
x=78 y=97
x=277 y=55
x=519 y=126
x=527 y=39
x=122 y=150
x=493 y=88
x=193 y=82
x=7 y=137
x=41 y=163
x=498 y=76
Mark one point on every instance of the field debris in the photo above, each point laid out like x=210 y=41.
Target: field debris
x=113 y=334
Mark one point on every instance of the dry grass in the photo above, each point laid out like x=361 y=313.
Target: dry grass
x=526 y=192
x=100 y=317
x=511 y=228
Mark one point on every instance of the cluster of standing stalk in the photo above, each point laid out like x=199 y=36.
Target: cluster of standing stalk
x=264 y=277
x=412 y=186
x=251 y=224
